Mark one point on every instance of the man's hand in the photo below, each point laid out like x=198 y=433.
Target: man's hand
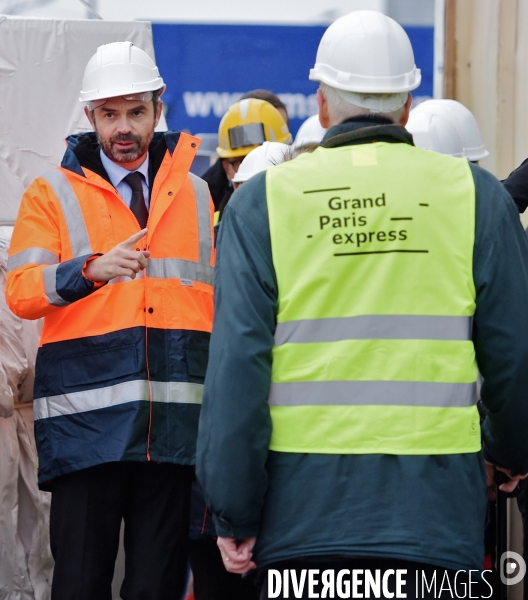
x=237 y=554
x=507 y=487
x=122 y=260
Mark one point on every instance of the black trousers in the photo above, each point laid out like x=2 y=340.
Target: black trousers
x=211 y=580
x=87 y=508
x=421 y=580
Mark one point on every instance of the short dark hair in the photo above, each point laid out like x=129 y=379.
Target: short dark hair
x=156 y=94
x=267 y=96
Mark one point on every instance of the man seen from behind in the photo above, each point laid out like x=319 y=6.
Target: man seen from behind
x=360 y=289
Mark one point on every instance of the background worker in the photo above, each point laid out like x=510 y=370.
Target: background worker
x=273 y=99
x=211 y=581
x=440 y=126
x=517 y=185
x=443 y=116
x=246 y=115
x=431 y=131
x=245 y=126
x=342 y=431
x=259 y=159
x=114 y=249
x=310 y=132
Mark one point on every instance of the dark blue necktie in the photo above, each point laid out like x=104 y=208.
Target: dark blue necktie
x=137 y=204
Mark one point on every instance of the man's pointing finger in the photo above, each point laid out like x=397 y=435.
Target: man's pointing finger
x=134 y=239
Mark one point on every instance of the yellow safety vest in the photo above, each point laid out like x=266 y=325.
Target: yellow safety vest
x=373 y=250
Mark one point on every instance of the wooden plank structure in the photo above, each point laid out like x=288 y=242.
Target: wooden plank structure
x=486 y=68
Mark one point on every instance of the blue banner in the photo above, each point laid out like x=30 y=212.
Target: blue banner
x=208 y=67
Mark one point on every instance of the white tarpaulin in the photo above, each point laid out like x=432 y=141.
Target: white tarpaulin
x=25 y=559
x=41 y=67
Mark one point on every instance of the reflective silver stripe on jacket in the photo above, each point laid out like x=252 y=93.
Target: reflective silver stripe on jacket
x=374 y=327
x=31 y=256
x=180 y=268
x=50 y=287
x=77 y=231
x=125 y=278
x=174 y=392
x=201 y=193
x=390 y=393
x=177 y=392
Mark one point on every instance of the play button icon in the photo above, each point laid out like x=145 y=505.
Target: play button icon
x=512 y=568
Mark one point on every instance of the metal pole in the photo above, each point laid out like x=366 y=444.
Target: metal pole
x=439 y=48
x=501 y=532
x=91 y=9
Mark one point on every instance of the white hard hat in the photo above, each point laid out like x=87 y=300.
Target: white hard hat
x=259 y=159
x=366 y=53
x=433 y=132
x=462 y=119
x=310 y=132
x=119 y=69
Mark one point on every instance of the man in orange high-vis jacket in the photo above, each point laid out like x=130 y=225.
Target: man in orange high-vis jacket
x=114 y=249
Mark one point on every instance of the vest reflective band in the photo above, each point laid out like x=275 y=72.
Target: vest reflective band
x=373 y=350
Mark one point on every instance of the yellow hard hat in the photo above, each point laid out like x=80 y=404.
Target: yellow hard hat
x=248 y=124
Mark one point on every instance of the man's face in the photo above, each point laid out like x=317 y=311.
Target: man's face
x=125 y=129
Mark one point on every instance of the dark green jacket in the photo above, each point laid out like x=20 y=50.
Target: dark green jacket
x=425 y=508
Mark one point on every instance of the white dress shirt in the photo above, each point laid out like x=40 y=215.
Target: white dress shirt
x=117 y=173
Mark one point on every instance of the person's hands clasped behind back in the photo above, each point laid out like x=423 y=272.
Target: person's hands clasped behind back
x=506 y=487
x=237 y=554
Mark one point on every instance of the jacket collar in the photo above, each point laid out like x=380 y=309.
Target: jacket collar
x=83 y=153
x=365 y=130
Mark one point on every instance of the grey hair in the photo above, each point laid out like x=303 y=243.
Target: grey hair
x=340 y=110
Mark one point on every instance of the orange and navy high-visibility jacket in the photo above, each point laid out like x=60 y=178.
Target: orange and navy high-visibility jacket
x=120 y=367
